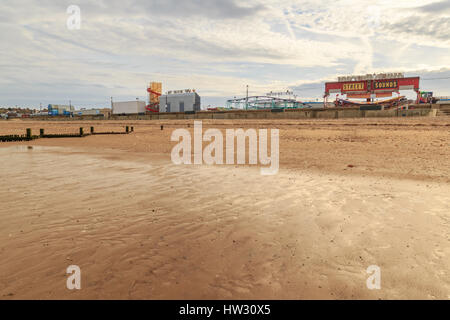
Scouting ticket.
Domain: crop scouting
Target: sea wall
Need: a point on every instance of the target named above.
(331, 113)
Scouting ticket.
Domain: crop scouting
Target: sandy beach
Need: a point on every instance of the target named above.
(350, 193)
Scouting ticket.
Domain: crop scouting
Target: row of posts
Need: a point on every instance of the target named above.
(41, 131)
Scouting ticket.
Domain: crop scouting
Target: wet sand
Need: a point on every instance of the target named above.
(140, 227)
(405, 148)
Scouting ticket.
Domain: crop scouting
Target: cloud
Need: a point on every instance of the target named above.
(215, 9)
(215, 46)
(436, 7)
(432, 31)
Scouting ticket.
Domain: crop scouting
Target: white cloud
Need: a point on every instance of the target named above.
(216, 46)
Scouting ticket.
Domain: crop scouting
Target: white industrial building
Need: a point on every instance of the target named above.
(128, 107)
(86, 112)
(179, 101)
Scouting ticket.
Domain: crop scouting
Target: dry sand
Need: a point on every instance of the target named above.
(140, 227)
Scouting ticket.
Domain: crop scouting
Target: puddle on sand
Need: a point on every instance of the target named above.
(32, 161)
(20, 148)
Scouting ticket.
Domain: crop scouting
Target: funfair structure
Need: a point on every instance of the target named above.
(272, 100)
(154, 92)
(370, 87)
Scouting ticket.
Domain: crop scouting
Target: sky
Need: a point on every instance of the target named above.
(217, 47)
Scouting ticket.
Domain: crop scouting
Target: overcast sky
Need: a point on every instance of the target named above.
(214, 46)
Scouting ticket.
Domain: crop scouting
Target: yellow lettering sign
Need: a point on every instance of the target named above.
(386, 84)
(353, 86)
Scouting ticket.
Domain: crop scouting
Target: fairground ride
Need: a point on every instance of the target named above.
(386, 104)
(155, 91)
(369, 87)
(265, 102)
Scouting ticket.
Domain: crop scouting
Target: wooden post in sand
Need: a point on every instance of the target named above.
(132, 129)
(81, 131)
(162, 127)
(127, 129)
(28, 133)
(92, 130)
(41, 132)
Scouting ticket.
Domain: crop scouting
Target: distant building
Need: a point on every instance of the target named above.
(12, 114)
(86, 112)
(60, 110)
(106, 112)
(128, 107)
(43, 113)
(443, 100)
(179, 101)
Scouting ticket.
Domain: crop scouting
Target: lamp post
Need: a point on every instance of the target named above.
(246, 100)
